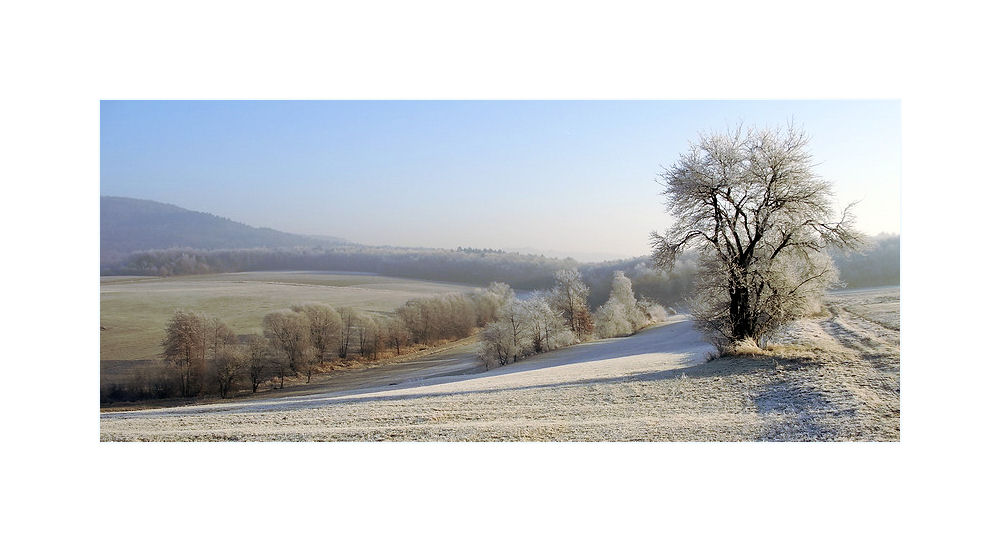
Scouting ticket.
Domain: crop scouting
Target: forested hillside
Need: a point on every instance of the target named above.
(129, 225)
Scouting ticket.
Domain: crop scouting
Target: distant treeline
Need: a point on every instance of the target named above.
(878, 266)
(478, 268)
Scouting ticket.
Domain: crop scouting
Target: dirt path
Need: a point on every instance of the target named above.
(851, 391)
(456, 359)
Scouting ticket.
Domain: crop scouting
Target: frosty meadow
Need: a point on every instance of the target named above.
(762, 311)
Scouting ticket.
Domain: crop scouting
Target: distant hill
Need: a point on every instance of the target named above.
(129, 225)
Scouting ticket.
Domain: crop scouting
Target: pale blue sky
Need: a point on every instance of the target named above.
(566, 178)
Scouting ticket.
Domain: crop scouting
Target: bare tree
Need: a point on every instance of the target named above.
(288, 333)
(396, 333)
(279, 370)
(185, 347)
(373, 331)
(308, 361)
(420, 319)
(257, 360)
(324, 327)
(229, 362)
(218, 337)
(348, 318)
(749, 203)
(365, 327)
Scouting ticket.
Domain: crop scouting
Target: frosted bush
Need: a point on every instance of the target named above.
(622, 315)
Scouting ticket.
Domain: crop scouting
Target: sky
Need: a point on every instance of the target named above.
(564, 178)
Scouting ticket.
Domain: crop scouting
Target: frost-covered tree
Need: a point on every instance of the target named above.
(621, 315)
(750, 203)
(489, 301)
(547, 329)
(508, 338)
(654, 312)
(523, 327)
(569, 298)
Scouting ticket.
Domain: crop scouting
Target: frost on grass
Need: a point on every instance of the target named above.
(830, 378)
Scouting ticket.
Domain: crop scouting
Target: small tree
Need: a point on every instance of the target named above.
(621, 315)
(509, 337)
(569, 298)
(396, 333)
(185, 347)
(288, 333)
(229, 363)
(348, 319)
(257, 360)
(278, 369)
(547, 329)
(365, 329)
(749, 202)
(374, 333)
(488, 302)
(324, 327)
(309, 361)
(218, 338)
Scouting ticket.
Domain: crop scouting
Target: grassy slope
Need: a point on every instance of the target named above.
(134, 310)
(838, 380)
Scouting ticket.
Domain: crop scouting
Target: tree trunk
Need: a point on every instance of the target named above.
(739, 313)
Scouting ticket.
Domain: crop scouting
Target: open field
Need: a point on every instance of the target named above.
(836, 377)
(134, 310)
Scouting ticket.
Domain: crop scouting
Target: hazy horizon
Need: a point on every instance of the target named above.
(559, 178)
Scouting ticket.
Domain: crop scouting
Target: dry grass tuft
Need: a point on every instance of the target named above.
(743, 348)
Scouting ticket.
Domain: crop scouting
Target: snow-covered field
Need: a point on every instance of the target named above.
(842, 385)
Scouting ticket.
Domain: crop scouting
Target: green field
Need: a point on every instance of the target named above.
(134, 310)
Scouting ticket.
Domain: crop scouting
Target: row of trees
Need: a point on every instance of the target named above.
(479, 267)
(204, 355)
(558, 317)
